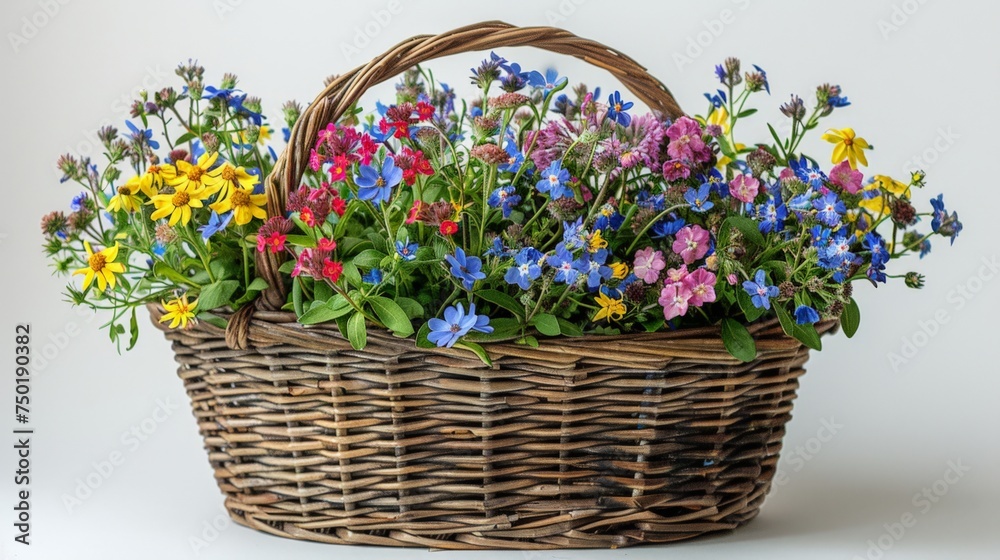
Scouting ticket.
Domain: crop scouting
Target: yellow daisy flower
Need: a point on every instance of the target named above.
(185, 176)
(151, 180)
(619, 270)
(125, 199)
(245, 206)
(890, 185)
(177, 205)
(232, 178)
(847, 146)
(179, 312)
(596, 242)
(875, 206)
(101, 265)
(611, 309)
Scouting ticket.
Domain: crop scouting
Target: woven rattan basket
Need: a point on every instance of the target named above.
(580, 443)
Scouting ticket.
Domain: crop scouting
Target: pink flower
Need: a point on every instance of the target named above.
(744, 187)
(701, 284)
(732, 279)
(786, 175)
(677, 275)
(691, 243)
(326, 244)
(685, 139)
(674, 299)
(648, 264)
(846, 178)
(675, 170)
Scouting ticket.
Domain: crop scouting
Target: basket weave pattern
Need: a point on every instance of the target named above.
(590, 442)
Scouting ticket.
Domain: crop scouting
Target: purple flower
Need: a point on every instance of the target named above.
(760, 292)
(456, 324)
(466, 269)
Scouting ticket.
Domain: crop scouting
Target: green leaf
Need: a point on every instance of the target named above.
(806, 334)
(163, 270)
(654, 324)
(133, 328)
(477, 350)
(569, 329)
(546, 324)
(391, 315)
(184, 138)
(503, 300)
(213, 319)
(322, 291)
(528, 341)
(746, 113)
(727, 150)
(258, 285)
(504, 328)
(287, 267)
(422, 340)
(329, 310)
(301, 241)
(747, 226)
(297, 296)
(850, 319)
(356, 332)
(352, 274)
(217, 295)
(738, 341)
(411, 307)
(774, 135)
(751, 312)
(369, 258)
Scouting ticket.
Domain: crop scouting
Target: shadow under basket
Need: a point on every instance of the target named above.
(591, 442)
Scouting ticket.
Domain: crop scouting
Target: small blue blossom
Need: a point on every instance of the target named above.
(515, 79)
(216, 223)
(547, 82)
(942, 223)
(608, 218)
(718, 99)
(829, 209)
(554, 180)
(374, 276)
(497, 249)
(562, 262)
(514, 157)
(456, 324)
(760, 293)
(807, 173)
(78, 202)
(504, 199)
(653, 202)
(407, 250)
(805, 315)
(143, 135)
(716, 183)
(720, 73)
(467, 269)
(698, 198)
(667, 226)
(767, 85)
(525, 269)
(772, 214)
(592, 265)
(574, 236)
(616, 109)
(876, 244)
(876, 273)
(376, 185)
(925, 247)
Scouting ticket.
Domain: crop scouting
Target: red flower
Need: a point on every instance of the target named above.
(414, 212)
(338, 171)
(448, 227)
(326, 244)
(425, 110)
(332, 270)
(307, 216)
(274, 242)
(338, 205)
(368, 149)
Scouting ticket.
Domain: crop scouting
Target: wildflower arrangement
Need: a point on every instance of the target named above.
(524, 211)
(169, 215)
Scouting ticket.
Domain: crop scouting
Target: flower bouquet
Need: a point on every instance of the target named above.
(385, 248)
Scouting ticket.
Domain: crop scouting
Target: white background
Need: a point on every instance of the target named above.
(923, 78)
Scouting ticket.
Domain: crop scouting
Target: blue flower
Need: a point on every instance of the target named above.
(574, 236)
(562, 263)
(466, 269)
(159, 249)
(802, 202)
(592, 265)
(525, 269)
(838, 257)
(554, 181)
(767, 86)
(760, 292)
(829, 209)
(718, 99)
(497, 249)
(504, 199)
(407, 250)
(805, 315)
(515, 157)
(286, 133)
(720, 73)
(698, 198)
(876, 244)
(548, 82)
(616, 109)
(608, 218)
(376, 185)
(562, 104)
(942, 223)
(456, 324)
(772, 214)
(236, 103)
(374, 276)
(820, 237)
(78, 202)
(143, 135)
(667, 226)
(216, 223)
(716, 182)
(653, 202)
(925, 247)
(515, 78)
(876, 273)
(807, 173)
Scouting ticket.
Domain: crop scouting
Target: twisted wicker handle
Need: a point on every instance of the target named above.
(346, 89)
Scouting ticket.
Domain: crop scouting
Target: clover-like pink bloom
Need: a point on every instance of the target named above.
(846, 178)
(744, 187)
(691, 243)
(648, 264)
(685, 139)
(701, 284)
(674, 299)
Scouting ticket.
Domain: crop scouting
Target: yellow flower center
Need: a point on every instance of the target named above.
(848, 142)
(194, 174)
(229, 173)
(154, 169)
(618, 107)
(181, 199)
(97, 262)
(239, 198)
(380, 182)
(124, 191)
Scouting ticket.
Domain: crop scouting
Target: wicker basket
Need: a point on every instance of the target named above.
(592, 442)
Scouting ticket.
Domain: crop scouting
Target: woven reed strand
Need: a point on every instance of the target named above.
(588, 442)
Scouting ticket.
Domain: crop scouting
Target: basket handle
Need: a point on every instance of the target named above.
(345, 90)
